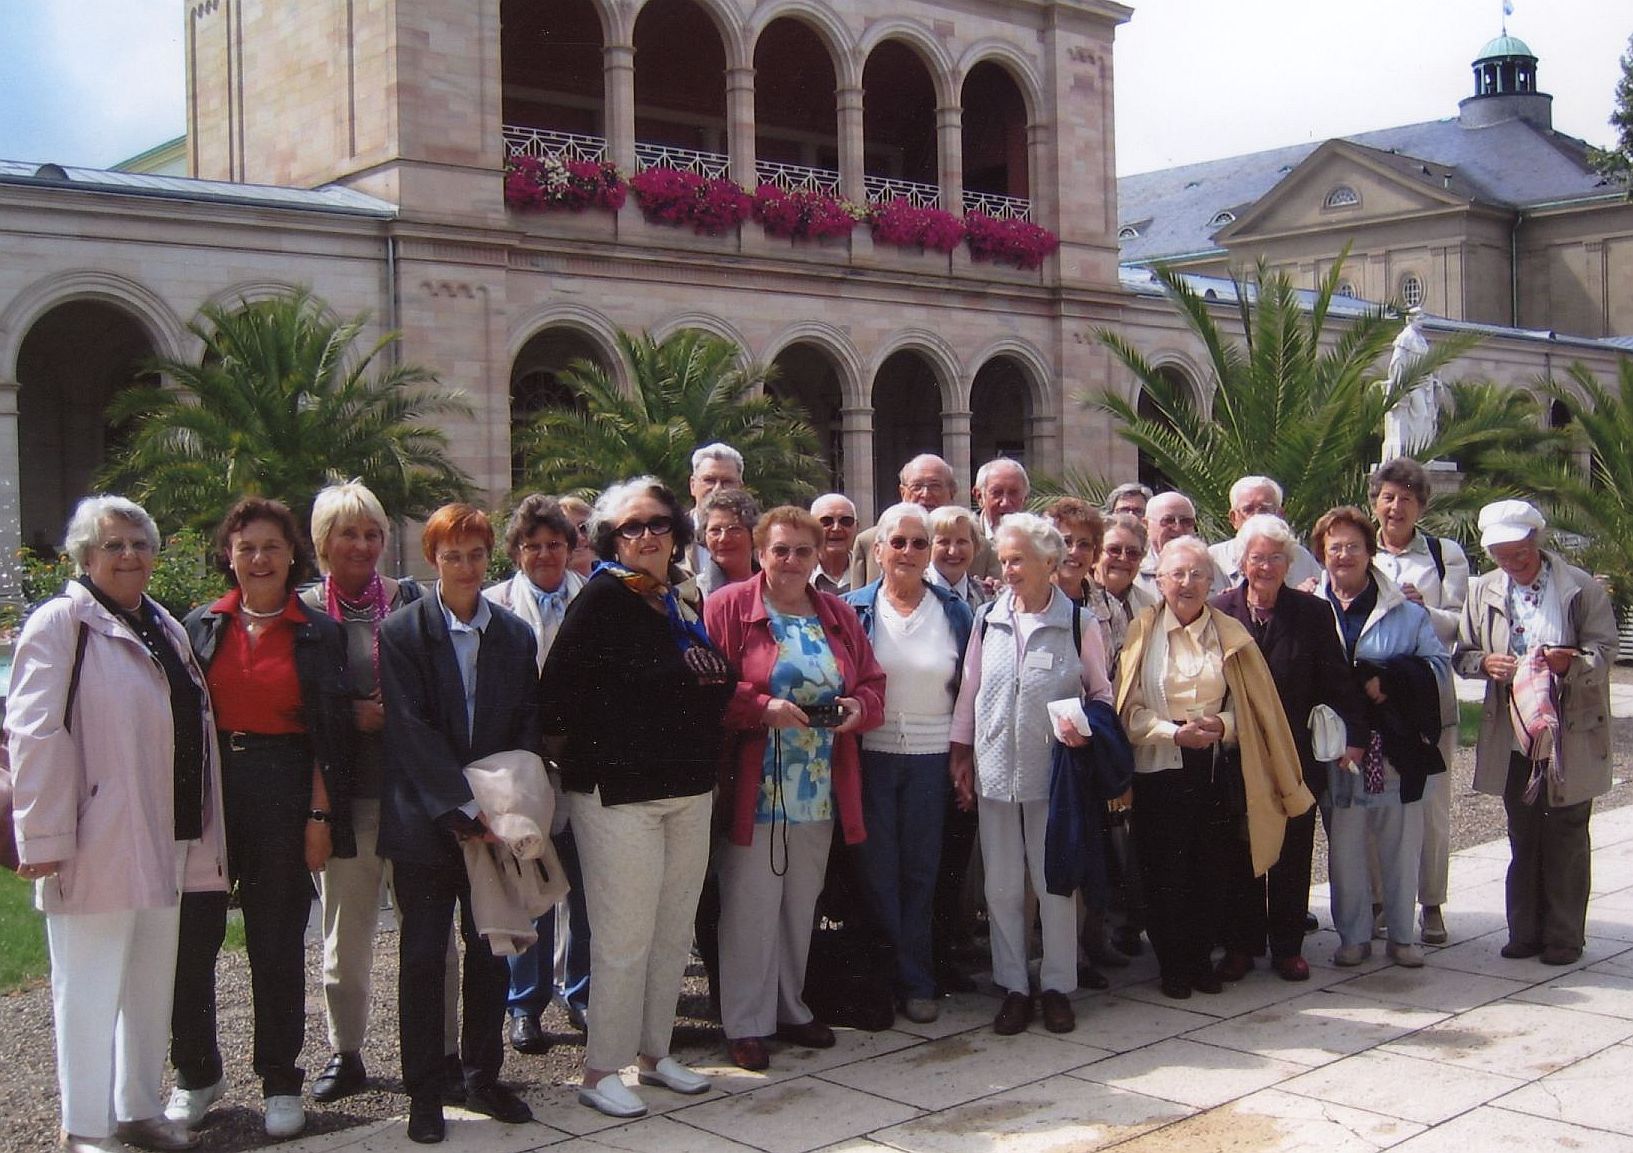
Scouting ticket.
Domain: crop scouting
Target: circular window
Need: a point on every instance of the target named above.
(1411, 290)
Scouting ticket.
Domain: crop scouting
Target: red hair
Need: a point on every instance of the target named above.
(453, 522)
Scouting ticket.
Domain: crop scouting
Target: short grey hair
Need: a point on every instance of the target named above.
(1194, 545)
(1129, 523)
(928, 458)
(1245, 484)
(719, 450)
(951, 516)
(833, 496)
(1123, 490)
(342, 502)
(736, 501)
(1270, 527)
(1041, 536)
(891, 519)
(1172, 496)
(85, 525)
(1002, 462)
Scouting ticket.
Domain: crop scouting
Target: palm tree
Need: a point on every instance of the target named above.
(280, 404)
(1290, 400)
(687, 391)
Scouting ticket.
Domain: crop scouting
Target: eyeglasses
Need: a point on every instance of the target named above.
(1260, 508)
(784, 551)
(841, 521)
(903, 543)
(583, 530)
(1264, 560)
(475, 558)
(1170, 521)
(925, 487)
(716, 531)
(1187, 576)
(1337, 550)
(1124, 551)
(636, 529)
(114, 548)
(554, 547)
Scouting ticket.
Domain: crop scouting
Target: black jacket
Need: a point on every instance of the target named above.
(326, 710)
(428, 739)
(1408, 723)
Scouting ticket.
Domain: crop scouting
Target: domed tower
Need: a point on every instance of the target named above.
(1505, 87)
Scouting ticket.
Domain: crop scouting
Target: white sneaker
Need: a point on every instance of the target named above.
(188, 1106)
(675, 1077)
(611, 1096)
(285, 1116)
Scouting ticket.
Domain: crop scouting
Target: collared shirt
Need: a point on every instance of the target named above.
(1535, 615)
(552, 607)
(822, 582)
(467, 641)
(1193, 678)
(964, 590)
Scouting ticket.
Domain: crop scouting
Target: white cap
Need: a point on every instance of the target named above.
(1507, 521)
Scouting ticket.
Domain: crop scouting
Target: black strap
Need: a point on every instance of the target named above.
(73, 678)
(1436, 554)
(1077, 627)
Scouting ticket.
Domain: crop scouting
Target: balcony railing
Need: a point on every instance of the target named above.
(883, 188)
(997, 206)
(795, 178)
(708, 164)
(542, 142)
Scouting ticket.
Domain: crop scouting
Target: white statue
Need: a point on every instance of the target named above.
(1410, 423)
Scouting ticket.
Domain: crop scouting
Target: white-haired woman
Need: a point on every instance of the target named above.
(1212, 754)
(1021, 656)
(117, 795)
(633, 696)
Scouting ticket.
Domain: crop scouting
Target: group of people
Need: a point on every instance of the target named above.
(736, 699)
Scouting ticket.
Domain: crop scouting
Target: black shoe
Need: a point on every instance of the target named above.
(341, 1077)
(1109, 957)
(1310, 923)
(576, 1017)
(497, 1102)
(525, 1035)
(1088, 977)
(453, 1080)
(1174, 987)
(1128, 941)
(425, 1123)
(1207, 981)
(813, 1034)
(1519, 950)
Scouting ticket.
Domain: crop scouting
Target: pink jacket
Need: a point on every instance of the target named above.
(737, 623)
(99, 799)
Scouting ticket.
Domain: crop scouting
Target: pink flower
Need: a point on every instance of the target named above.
(802, 215)
(552, 182)
(906, 225)
(1017, 242)
(675, 197)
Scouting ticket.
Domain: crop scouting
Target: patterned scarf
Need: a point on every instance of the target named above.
(684, 627)
(335, 603)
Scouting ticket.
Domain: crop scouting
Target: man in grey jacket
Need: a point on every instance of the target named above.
(1532, 604)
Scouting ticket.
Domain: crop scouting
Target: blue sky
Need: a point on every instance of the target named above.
(95, 81)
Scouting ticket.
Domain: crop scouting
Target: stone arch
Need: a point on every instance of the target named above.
(1036, 371)
(166, 331)
(853, 380)
(1021, 68)
(536, 365)
(943, 361)
(924, 42)
(728, 22)
(824, 22)
(586, 322)
(817, 371)
(705, 322)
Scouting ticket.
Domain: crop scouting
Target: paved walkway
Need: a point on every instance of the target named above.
(1469, 1054)
(1621, 692)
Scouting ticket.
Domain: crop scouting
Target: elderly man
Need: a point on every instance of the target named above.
(837, 515)
(928, 482)
(1168, 516)
(714, 466)
(1001, 487)
(1130, 498)
(1250, 496)
(1540, 630)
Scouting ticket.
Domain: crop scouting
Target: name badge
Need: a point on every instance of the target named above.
(1037, 660)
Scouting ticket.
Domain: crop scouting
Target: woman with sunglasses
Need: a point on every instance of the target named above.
(1122, 547)
(918, 631)
(633, 696)
(806, 684)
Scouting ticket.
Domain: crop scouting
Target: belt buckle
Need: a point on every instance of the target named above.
(234, 742)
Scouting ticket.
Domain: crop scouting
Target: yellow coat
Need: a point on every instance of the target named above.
(1270, 766)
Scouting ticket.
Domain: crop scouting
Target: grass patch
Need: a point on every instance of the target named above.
(234, 942)
(22, 935)
(1468, 722)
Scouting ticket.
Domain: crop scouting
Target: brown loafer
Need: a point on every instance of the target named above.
(1057, 1012)
(749, 1053)
(1014, 1015)
(813, 1034)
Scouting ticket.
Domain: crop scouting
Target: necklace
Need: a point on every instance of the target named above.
(253, 615)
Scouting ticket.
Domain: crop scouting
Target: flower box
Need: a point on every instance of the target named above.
(534, 184)
(804, 215)
(711, 206)
(905, 225)
(1000, 241)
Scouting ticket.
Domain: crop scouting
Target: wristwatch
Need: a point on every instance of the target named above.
(321, 816)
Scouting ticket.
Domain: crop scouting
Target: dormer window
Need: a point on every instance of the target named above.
(1411, 290)
(1222, 219)
(1346, 290)
(1128, 233)
(1342, 197)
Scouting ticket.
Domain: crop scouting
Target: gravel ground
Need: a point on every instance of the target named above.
(28, 1094)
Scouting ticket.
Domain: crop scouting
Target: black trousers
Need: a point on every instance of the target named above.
(426, 896)
(1273, 906)
(1551, 868)
(1185, 841)
(267, 794)
(947, 920)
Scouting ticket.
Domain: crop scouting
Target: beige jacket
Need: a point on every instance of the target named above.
(520, 879)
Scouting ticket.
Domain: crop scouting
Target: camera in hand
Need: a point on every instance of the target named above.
(824, 716)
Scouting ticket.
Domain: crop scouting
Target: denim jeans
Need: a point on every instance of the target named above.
(904, 799)
(532, 972)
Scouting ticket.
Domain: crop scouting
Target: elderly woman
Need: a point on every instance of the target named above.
(1294, 631)
(807, 684)
(1402, 667)
(540, 542)
(1031, 646)
(460, 680)
(727, 517)
(919, 632)
(117, 796)
(1433, 572)
(634, 693)
(954, 538)
(1212, 752)
(350, 531)
(1535, 609)
(1123, 543)
(276, 669)
(578, 512)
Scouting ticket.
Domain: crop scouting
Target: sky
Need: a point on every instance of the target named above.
(92, 82)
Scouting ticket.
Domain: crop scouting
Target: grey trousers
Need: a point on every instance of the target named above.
(1551, 870)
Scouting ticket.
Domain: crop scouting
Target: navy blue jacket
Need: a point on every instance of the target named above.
(1081, 781)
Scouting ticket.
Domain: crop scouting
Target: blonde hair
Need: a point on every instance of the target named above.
(351, 500)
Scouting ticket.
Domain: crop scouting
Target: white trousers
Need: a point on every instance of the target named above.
(1011, 849)
(765, 927)
(112, 979)
(643, 869)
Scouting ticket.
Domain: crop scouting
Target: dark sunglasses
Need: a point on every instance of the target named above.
(903, 543)
(841, 521)
(636, 529)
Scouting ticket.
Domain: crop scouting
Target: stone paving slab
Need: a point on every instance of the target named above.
(1469, 1054)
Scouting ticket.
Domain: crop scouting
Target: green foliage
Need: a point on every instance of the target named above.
(22, 935)
(184, 576)
(1294, 398)
(1616, 161)
(687, 391)
(280, 404)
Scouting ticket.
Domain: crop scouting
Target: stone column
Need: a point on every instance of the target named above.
(1037, 158)
(11, 492)
(955, 450)
(1043, 445)
(852, 166)
(740, 119)
(618, 75)
(950, 151)
(856, 433)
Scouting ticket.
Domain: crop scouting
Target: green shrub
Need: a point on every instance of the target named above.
(184, 576)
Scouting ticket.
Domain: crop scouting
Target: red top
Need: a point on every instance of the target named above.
(253, 686)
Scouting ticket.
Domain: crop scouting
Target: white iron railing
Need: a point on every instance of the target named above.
(798, 178)
(997, 206)
(709, 164)
(541, 142)
(881, 189)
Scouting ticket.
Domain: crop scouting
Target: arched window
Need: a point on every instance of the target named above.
(1346, 290)
(1411, 290)
(1221, 219)
(1128, 233)
(1342, 197)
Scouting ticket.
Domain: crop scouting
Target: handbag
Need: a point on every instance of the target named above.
(1328, 734)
